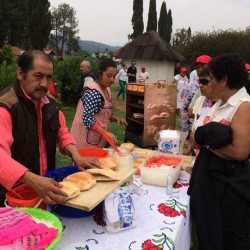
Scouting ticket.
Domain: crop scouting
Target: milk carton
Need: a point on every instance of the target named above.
(168, 141)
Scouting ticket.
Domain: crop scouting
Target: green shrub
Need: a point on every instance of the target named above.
(7, 56)
(7, 74)
(67, 74)
(7, 67)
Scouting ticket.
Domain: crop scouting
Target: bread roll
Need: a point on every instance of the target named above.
(105, 172)
(143, 152)
(108, 163)
(138, 115)
(83, 180)
(130, 146)
(164, 115)
(70, 188)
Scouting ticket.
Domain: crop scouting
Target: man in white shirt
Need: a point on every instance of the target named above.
(122, 77)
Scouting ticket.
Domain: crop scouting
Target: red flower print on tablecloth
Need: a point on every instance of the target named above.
(180, 183)
(148, 245)
(183, 212)
(172, 208)
(167, 211)
(177, 185)
(158, 243)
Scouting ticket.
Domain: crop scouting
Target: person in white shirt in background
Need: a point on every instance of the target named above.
(181, 82)
(123, 78)
(189, 91)
(143, 74)
(193, 81)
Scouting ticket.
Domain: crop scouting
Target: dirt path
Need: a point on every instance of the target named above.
(119, 104)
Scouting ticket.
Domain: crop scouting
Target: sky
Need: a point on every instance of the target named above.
(109, 21)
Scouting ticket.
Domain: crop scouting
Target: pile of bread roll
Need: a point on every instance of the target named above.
(137, 151)
(82, 181)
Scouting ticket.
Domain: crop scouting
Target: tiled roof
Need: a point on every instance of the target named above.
(149, 45)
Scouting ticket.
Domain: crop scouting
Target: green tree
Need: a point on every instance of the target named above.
(4, 21)
(137, 19)
(169, 25)
(13, 23)
(39, 18)
(217, 42)
(152, 16)
(181, 38)
(64, 27)
(162, 23)
(72, 44)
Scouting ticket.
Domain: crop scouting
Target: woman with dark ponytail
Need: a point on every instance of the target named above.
(97, 109)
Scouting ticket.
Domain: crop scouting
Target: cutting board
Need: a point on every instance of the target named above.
(88, 200)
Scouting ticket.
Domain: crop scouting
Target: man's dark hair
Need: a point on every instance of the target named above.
(232, 66)
(25, 61)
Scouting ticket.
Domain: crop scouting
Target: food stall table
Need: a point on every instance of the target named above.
(161, 220)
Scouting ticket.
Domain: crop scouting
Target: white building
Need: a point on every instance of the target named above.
(156, 55)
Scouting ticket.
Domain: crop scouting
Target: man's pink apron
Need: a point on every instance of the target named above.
(86, 137)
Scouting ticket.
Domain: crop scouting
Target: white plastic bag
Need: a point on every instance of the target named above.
(119, 211)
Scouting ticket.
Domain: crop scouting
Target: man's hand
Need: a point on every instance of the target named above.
(47, 188)
(86, 162)
(81, 162)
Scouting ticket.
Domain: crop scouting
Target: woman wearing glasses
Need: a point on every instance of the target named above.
(202, 105)
(97, 108)
(220, 182)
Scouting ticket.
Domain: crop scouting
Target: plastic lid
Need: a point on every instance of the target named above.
(169, 133)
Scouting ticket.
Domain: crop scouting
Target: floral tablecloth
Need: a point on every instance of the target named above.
(162, 222)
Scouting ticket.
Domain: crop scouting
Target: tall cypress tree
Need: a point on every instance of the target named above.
(137, 19)
(162, 23)
(15, 21)
(189, 34)
(152, 16)
(169, 25)
(39, 23)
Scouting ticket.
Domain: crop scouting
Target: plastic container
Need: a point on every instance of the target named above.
(29, 198)
(124, 159)
(58, 175)
(158, 176)
(93, 152)
(168, 141)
